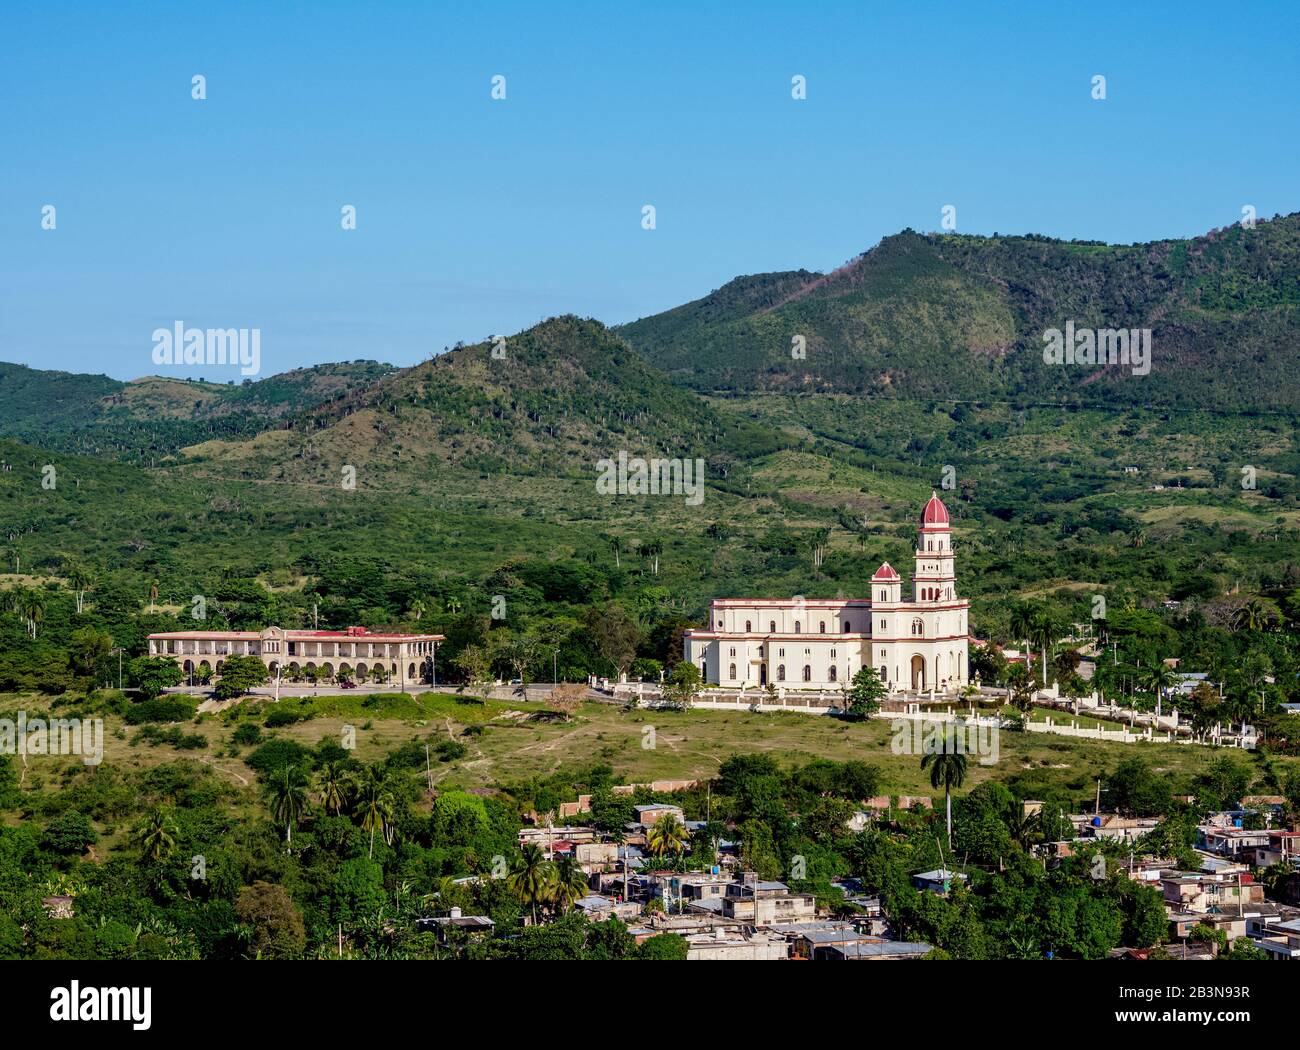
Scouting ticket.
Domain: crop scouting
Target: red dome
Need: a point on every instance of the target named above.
(885, 572)
(935, 512)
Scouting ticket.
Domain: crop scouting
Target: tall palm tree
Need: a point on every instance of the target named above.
(1043, 632)
(616, 545)
(667, 835)
(531, 877)
(79, 581)
(335, 787)
(1022, 622)
(287, 797)
(34, 610)
(156, 834)
(417, 608)
(569, 885)
(374, 805)
(947, 770)
(1158, 678)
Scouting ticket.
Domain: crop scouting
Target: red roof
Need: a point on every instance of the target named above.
(885, 572)
(935, 512)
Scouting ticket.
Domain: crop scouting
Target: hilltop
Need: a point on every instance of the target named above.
(962, 318)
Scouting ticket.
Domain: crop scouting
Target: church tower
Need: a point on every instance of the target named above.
(934, 581)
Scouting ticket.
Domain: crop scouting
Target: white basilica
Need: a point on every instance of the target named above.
(806, 643)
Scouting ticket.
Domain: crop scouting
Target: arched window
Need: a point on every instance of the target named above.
(780, 673)
(733, 672)
(918, 626)
(823, 627)
(833, 673)
(771, 627)
(848, 627)
(798, 627)
(807, 673)
(748, 627)
(882, 672)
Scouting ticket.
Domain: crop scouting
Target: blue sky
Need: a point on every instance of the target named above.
(478, 216)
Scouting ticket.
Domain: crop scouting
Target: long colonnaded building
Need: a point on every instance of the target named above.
(356, 651)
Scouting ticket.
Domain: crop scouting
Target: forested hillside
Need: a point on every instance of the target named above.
(962, 317)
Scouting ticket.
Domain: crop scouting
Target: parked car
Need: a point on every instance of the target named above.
(347, 684)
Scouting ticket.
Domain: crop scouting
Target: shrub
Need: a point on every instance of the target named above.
(247, 734)
(161, 709)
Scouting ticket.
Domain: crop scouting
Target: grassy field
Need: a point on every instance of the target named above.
(516, 740)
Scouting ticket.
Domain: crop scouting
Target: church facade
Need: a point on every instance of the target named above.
(798, 643)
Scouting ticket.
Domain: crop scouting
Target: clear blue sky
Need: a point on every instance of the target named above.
(478, 216)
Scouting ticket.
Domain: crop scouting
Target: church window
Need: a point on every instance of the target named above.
(833, 673)
(733, 672)
(771, 627)
(823, 626)
(807, 673)
(780, 673)
(798, 627)
(748, 627)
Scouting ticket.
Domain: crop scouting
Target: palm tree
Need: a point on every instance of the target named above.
(287, 797)
(1022, 622)
(667, 835)
(1253, 616)
(531, 877)
(616, 545)
(1043, 632)
(417, 608)
(79, 581)
(947, 769)
(453, 605)
(375, 805)
(33, 609)
(156, 834)
(1023, 827)
(1158, 678)
(569, 885)
(335, 787)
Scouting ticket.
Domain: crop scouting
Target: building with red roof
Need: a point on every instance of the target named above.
(918, 644)
(358, 652)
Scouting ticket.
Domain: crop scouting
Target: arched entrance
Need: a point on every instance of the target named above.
(918, 673)
(762, 674)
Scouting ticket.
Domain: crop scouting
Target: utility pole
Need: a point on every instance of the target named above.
(119, 666)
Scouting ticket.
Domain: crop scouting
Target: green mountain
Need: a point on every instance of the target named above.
(152, 417)
(551, 400)
(963, 318)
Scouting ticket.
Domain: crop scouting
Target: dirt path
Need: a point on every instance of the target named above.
(243, 780)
